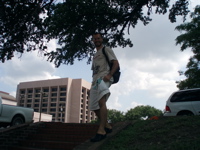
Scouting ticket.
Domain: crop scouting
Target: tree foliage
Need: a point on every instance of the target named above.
(115, 115)
(142, 111)
(133, 114)
(25, 24)
(191, 39)
(21, 26)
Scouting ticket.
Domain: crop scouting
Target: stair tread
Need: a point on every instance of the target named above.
(56, 136)
(50, 144)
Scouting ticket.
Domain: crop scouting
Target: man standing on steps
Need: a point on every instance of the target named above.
(102, 80)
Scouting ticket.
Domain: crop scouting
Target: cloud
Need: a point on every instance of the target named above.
(134, 104)
(31, 66)
(149, 69)
(114, 103)
(151, 65)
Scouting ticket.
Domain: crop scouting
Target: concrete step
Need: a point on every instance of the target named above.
(60, 137)
(53, 145)
(57, 136)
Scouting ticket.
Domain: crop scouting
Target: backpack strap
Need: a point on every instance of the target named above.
(103, 50)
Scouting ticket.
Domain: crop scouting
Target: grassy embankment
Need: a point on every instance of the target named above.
(166, 133)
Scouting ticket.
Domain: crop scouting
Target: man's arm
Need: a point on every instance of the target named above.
(112, 71)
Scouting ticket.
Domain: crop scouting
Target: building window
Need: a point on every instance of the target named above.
(59, 115)
(88, 92)
(62, 99)
(45, 100)
(54, 89)
(37, 90)
(29, 101)
(53, 109)
(53, 104)
(53, 94)
(45, 90)
(44, 110)
(53, 114)
(45, 95)
(30, 91)
(63, 89)
(63, 109)
(37, 95)
(36, 105)
(28, 105)
(37, 100)
(83, 90)
(29, 96)
(62, 94)
(44, 105)
(22, 92)
(53, 99)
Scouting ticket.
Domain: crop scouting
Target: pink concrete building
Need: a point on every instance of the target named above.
(65, 99)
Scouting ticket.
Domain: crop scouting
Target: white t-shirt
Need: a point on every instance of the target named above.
(100, 66)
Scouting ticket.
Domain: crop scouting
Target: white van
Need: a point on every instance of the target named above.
(183, 102)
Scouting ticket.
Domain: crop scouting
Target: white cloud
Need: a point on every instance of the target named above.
(134, 104)
(114, 103)
(151, 65)
(149, 69)
(31, 66)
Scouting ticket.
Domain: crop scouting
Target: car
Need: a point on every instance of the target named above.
(14, 115)
(183, 103)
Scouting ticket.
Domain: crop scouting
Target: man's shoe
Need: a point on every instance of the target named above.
(98, 137)
(108, 130)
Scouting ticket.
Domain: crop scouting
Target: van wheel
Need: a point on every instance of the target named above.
(185, 113)
(17, 121)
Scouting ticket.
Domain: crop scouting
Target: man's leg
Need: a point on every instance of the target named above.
(102, 115)
(97, 112)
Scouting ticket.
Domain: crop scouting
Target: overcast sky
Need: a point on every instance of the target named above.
(149, 69)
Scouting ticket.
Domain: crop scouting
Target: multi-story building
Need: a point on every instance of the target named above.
(10, 100)
(7, 98)
(65, 99)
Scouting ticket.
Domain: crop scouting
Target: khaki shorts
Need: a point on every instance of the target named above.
(97, 91)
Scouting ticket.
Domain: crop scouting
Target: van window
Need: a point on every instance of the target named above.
(192, 95)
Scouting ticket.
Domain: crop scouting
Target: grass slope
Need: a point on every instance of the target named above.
(166, 133)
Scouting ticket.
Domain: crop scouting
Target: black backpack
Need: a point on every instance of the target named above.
(117, 73)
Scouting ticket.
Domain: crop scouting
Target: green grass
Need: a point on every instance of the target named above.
(167, 133)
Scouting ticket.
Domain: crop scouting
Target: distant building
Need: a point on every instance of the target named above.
(10, 100)
(7, 98)
(65, 99)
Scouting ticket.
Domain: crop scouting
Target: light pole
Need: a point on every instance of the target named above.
(61, 110)
(40, 106)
